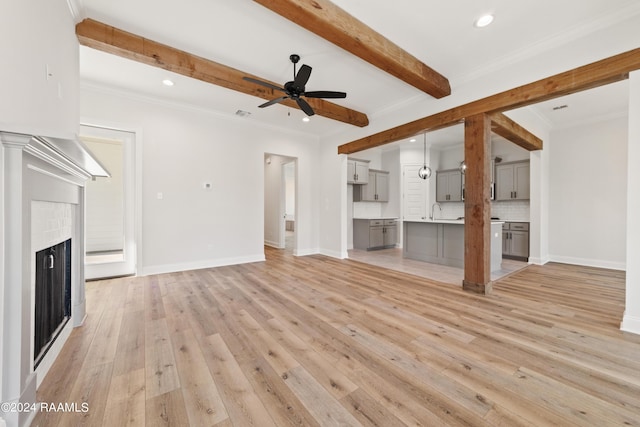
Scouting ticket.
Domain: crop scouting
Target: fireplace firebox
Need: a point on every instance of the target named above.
(52, 296)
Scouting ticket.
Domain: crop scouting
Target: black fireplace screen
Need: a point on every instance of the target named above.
(53, 296)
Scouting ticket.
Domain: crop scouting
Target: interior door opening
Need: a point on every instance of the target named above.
(289, 189)
(110, 238)
(280, 219)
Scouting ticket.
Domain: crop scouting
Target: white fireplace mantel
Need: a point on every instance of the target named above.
(33, 170)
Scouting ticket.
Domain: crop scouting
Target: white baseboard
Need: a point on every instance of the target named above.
(305, 252)
(539, 261)
(334, 254)
(630, 324)
(273, 244)
(588, 262)
(198, 265)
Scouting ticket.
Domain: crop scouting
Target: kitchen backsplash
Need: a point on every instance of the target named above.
(510, 211)
(367, 210)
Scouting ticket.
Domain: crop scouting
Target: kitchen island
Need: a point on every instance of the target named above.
(441, 241)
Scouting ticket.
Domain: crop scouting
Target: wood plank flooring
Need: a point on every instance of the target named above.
(394, 260)
(316, 341)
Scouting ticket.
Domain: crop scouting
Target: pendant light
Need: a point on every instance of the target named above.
(425, 171)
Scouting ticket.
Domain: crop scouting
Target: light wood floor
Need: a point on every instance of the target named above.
(315, 341)
(394, 260)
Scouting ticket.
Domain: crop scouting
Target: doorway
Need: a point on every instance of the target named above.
(110, 215)
(289, 200)
(280, 190)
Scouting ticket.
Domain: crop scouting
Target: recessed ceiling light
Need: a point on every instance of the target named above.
(412, 140)
(306, 119)
(484, 20)
(167, 82)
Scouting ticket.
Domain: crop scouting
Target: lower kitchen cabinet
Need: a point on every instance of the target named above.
(515, 240)
(372, 234)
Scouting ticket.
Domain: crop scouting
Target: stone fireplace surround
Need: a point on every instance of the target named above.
(43, 203)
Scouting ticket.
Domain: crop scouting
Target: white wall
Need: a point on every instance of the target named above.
(631, 322)
(2, 268)
(191, 227)
(36, 36)
(588, 194)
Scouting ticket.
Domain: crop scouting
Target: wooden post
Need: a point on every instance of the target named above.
(477, 207)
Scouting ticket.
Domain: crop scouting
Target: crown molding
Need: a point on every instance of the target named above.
(76, 7)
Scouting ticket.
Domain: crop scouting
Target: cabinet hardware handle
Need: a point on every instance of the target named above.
(515, 194)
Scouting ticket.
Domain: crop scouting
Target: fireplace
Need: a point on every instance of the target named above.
(52, 308)
(42, 219)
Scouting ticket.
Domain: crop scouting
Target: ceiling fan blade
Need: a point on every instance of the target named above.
(325, 94)
(304, 106)
(260, 82)
(302, 77)
(273, 101)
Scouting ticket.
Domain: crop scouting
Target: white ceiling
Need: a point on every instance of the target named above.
(246, 36)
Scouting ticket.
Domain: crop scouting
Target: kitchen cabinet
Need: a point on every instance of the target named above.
(515, 240)
(449, 185)
(376, 190)
(492, 185)
(373, 234)
(442, 242)
(357, 171)
(512, 181)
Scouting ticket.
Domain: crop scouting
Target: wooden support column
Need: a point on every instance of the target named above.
(477, 205)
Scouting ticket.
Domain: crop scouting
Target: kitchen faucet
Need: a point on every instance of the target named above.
(433, 207)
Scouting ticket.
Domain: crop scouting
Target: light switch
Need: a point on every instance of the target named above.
(160, 196)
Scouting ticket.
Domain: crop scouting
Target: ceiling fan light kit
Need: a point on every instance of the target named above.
(296, 89)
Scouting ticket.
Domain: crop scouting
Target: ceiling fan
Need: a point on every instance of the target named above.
(296, 89)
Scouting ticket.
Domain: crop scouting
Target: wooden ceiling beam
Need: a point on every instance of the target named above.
(589, 76)
(109, 39)
(512, 131)
(330, 22)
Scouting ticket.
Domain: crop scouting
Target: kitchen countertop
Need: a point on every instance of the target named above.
(449, 221)
(378, 217)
